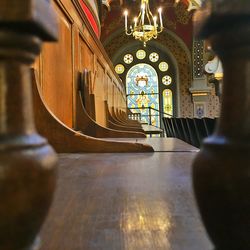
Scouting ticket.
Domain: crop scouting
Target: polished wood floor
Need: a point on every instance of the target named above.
(162, 144)
(125, 202)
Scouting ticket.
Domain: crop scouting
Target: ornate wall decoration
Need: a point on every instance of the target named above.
(213, 106)
(198, 59)
(182, 14)
(183, 63)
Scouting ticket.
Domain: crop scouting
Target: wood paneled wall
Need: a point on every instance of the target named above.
(77, 49)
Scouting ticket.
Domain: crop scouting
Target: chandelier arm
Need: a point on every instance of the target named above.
(146, 26)
(129, 33)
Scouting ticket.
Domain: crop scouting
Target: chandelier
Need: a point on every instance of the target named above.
(145, 26)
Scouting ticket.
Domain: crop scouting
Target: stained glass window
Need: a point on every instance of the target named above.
(143, 92)
(154, 57)
(167, 102)
(141, 54)
(119, 69)
(128, 58)
(167, 80)
(163, 66)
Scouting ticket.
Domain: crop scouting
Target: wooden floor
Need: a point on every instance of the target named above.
(125, 201)
(162, 144)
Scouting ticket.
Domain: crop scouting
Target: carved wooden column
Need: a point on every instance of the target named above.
(221, 172)
(27, 162)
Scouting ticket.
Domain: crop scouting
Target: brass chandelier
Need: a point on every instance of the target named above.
(145, 26)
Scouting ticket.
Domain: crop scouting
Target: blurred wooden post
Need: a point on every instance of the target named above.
(27, 162)
(221, 172)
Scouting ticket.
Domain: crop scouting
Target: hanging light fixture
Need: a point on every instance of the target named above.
(145, 26)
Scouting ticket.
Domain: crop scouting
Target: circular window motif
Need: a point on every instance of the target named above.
(154, 57)
(128, 58)
(163, 66)
(141, 54)
(167, 80)
(119, 69)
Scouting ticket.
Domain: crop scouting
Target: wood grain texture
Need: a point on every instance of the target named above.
(59, 64)
(57, 72)
(163, 144)
(115, 124)
(65, 139)
(88, 126)
(27, 162)
(221, 171)
(124, 202)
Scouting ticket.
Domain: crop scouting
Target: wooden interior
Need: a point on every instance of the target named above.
(71, 101)
(103, 95)
(77, 49)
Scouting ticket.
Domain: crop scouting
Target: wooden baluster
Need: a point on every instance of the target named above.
(221, 171)
(27, 162)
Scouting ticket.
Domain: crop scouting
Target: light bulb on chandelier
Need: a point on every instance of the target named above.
(145, 26)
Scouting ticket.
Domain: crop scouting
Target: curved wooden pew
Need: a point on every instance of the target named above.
(124, 116)
(114, 118)
(114, 124)
(119, 116)
(66, 140)
(89, 126)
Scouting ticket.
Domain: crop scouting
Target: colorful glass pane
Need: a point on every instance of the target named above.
(163, 66)
(141, 54)
(154, 57)
(128, 58)
(119, 69)
(167, 102)
(167, 80)
(143, 91)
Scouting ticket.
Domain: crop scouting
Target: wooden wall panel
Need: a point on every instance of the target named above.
(57, 72)
(86, 56)
(99, 95)
(110, 90)
(59, 64)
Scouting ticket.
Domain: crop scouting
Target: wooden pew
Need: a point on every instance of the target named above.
(122, 121)
(190, 130)
(209, 124)
(124, 117)
(27, 162)
(169, 126)
(88, 126)
(193, 133)
(221, 170)
(187, 135)
(66, 140)
(166, 127)
(200, 129)
(114, 124)
(179, 128)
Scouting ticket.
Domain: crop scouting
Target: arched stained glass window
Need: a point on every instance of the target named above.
(167, 102)
(143, 92)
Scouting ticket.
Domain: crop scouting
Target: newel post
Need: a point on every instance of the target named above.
(221, 171)
(27, 162)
